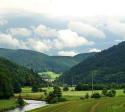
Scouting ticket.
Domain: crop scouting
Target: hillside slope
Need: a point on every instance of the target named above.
(17, 73)
(41, 62)
(106, 66)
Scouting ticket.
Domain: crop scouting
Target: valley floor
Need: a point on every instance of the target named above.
(116, 104)
(8, 104)
(74, 103)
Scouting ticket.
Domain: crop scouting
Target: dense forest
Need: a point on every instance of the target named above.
(13, 76)
(106, 66)
(41, 62)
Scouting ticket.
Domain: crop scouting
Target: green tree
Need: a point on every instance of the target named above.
(66, 88)
(6, 90)
(57, 91)
(17, 87)
(35, 88)
(87, 95)
(96, 95)
(104, 92)
(20, 101)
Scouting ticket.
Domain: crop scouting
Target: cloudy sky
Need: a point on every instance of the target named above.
(61, 27)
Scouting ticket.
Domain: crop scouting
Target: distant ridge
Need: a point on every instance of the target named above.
(41, 62)
(107, 66)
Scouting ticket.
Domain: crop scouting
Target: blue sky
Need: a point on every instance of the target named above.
(64, 27)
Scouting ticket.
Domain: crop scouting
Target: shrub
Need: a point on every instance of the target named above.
(35, 88)
(123, 90)
(111, 93)
(96, 95)
(55, 96)
(82, 98)
(104, 92)
(20, 101)
(57, 91)
(66, 88)
(86, 95)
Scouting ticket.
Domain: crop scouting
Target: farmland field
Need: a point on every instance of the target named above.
(74, 104)
(116, 104)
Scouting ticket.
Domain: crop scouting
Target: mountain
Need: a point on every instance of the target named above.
(41, 62)
(106, 66)
(16, 72)
(13, 76)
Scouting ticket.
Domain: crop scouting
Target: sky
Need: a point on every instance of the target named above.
(61, 27)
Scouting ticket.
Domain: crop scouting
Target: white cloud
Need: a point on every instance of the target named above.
(79, 8)
(116, 27)
(37, 45)
(86, 29)
(67, 53)
(70, 39)
(7, 40)
(60, 39)
(20, 31)
(3, 21)
(45, 31)
(94, 50)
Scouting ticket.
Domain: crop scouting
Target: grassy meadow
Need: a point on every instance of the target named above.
(73, 103)
(7, 104)
(116, 104)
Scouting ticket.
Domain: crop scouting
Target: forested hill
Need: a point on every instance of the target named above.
(41, 62)
(13, 76)
(106, 66)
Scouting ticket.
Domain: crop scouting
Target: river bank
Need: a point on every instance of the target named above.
(31, 104)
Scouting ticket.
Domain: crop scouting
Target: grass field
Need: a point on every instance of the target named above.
(49, 74)
(74, 104)
(7, 104)
(116, 104)
(69, 95)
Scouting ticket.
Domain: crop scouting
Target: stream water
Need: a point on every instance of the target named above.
(31, 104)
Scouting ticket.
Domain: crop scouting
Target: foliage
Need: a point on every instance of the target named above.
(87, 95)
(96, 95)
(17, 87)
(55, 96)
(13, 76)
(35, 88)
(20, 101)
(104, 92)
(6, 90)
(111, 93)
(65, 88)
(108, 64)
(57, 91)
(123, 90)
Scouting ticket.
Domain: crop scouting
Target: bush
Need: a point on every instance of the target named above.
(96, 95)
(20, 101)
(82, 98)
(104, 92)
(55, 96)
(123, 90)
(57, 91)
(35, 88)
(86, 95)
(111, 93)
(66, 88)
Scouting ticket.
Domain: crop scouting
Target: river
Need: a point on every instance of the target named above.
(31, 104)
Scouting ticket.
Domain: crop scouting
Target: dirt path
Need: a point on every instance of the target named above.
(93, 108)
